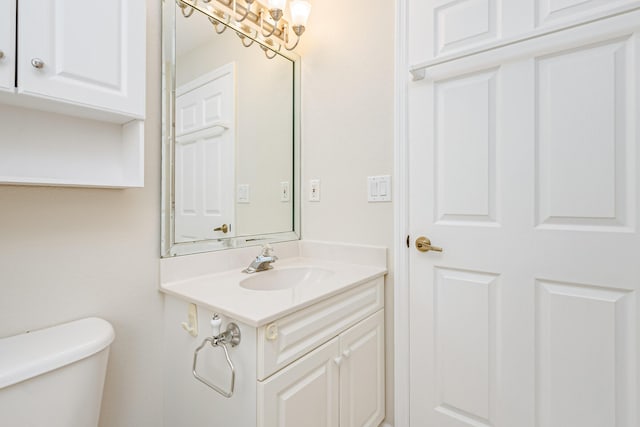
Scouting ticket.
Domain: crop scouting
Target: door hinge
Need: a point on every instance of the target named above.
(408, 239)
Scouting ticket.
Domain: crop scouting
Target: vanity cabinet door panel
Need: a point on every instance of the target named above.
(88, 53)
(362, 374)
(7, 44)
(306, 393)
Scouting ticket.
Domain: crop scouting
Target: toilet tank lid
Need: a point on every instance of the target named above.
(30, 354)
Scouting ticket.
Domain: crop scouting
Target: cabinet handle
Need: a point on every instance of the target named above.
(37, 63)
(338, 360)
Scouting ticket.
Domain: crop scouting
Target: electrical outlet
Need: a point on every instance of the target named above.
(314, 190)
(284, 191)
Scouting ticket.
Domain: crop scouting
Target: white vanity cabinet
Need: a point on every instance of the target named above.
(321, 366)
(72, 92)
(7, 44)
(339, 384)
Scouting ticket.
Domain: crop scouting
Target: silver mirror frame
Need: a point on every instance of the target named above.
(168, 246)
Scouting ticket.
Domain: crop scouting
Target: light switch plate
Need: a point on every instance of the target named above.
(314, 190)
(242, 196)
(379, 188)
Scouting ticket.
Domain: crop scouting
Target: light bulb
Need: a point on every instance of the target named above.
(300, 12)
(276, 4)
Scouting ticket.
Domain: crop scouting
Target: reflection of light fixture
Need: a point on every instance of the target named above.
(266, 24)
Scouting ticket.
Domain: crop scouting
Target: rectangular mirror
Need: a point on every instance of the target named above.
(231, 142)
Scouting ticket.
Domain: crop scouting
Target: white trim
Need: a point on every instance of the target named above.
(385, 425)
(202, 80)
(401, 222)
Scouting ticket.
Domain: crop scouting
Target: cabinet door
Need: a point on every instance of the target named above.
(362, 385)
(89, 53)
(7, 43)
(306, 393)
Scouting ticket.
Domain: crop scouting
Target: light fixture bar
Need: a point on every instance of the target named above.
(227, 7)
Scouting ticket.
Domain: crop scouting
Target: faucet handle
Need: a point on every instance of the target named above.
(267, 250)
(216, 322)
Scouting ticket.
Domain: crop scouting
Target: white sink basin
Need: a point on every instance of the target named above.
(285, 278)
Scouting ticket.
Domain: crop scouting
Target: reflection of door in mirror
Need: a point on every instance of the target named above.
(204, 156)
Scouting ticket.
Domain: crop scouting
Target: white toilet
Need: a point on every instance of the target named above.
(54, 377)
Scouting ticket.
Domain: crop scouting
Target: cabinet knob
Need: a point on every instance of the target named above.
(1, 54)
(37, 63)
(271, 332)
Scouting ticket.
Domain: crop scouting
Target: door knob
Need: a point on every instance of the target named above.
(224, 228)
(424, 245)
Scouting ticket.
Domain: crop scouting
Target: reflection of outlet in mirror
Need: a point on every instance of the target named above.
(379, 188)
(314, 190)
(243, 193)
(284, 191)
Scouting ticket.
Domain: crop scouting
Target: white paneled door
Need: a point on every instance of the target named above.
(205, 157)
(524, 169)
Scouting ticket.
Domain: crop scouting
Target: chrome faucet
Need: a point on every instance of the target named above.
(263, 261)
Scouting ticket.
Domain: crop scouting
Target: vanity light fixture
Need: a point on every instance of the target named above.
(264, 23)
(300, 10)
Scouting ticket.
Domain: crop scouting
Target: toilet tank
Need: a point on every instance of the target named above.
(54, 377)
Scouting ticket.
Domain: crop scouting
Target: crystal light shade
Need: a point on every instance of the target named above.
(300, 10)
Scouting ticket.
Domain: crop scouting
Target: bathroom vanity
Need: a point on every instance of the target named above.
(311, 349)
(311, 330)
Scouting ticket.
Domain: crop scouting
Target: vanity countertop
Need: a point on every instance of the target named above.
(222, 293)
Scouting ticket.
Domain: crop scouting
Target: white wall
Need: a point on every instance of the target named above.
(66, 253)
(347, 107)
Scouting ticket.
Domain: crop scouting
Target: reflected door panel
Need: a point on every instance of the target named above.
(204, 158)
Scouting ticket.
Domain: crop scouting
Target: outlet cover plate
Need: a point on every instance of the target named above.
(314, 190)
(284, 191)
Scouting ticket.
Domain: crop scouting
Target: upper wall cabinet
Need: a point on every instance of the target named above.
(85, 53)
(75, 57)
(72, 92)
(7, 43)
(443, 29)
